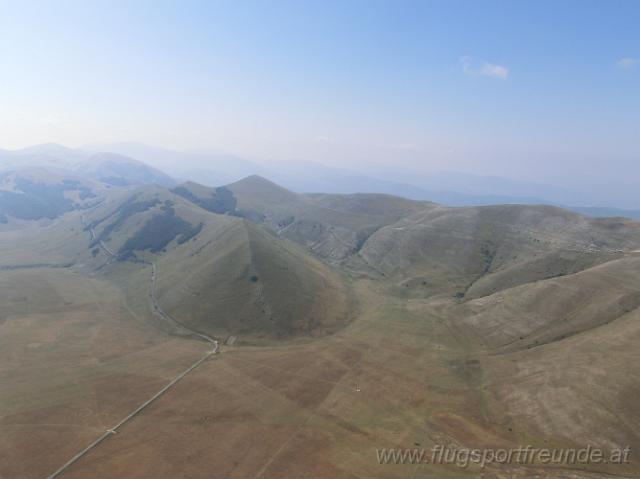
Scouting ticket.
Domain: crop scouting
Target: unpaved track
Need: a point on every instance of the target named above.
(157, 310)
(131, 415)
(101, 243)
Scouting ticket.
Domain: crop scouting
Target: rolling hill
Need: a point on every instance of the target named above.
(118, 170)
(239, 279)
(331, 227)
(219, 273)
(557, 308)
(104, 167)
(346, 323)
(473, 252)
(35, 193)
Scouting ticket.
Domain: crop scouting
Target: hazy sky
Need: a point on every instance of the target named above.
(515, 88)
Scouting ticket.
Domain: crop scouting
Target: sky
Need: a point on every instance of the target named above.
(542, 90)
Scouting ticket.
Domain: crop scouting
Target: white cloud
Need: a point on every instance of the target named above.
(486, 69)
(495, 71)
(627, 63)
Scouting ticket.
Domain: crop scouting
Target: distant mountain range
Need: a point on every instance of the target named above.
(109, 168)
(131, 164)
(448, 188)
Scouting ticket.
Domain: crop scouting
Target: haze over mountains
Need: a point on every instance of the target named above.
(218, 168)
(344, 322)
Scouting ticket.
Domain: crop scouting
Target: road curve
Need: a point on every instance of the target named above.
(101, 243)
(157, 310)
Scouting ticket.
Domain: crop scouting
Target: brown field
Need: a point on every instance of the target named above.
(398, 376)
(73, 362)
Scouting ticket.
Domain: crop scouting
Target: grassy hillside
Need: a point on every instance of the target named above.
(474, 252)
(149, 219)
(219, 273)
(216, 200)
(236, 278)
(537, 313)
(42, 188)
(35, 194)
(332, 227)
(580, 390)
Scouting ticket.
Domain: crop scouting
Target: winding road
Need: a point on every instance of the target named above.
(101, 243)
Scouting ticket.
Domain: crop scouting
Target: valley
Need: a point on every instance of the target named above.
(341, 324)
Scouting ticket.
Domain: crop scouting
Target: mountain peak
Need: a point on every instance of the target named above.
(257, 180)
(256, 188)
(48, 149)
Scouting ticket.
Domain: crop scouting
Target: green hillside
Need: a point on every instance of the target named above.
(220, 274)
